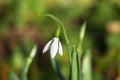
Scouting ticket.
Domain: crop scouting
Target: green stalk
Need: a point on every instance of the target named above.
(64, 32)
(27, 63)
(57, 69)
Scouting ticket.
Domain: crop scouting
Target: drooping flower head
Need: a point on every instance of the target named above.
(54, 45)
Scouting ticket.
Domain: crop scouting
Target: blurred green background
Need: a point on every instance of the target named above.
(22, 24)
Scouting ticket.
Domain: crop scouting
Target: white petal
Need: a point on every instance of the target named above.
(47, 46)
(60, 50)
(54, 48)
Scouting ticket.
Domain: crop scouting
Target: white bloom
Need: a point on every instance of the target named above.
(55, 47)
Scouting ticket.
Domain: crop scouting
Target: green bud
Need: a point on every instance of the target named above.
(57, 33)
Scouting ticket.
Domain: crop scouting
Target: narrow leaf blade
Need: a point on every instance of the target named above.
(12, 76)
(87, 67)
(74, 66)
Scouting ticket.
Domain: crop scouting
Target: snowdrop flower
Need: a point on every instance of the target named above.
(54, 45)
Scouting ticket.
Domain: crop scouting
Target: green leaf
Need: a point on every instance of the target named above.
(12, 76)
(28, 62)
(81, 36)
(74, 65)
(86, 66)
(80, 50)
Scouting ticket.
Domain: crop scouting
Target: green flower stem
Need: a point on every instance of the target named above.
(27, 63)
(57, 69)
(65, 34)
